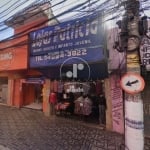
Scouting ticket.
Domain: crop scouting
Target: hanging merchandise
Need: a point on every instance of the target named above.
(79, 105)
(85, 87)
(53, 98)
(51, 86)
(60, 86)
(87, 106)
(77, 99)
(55, 86)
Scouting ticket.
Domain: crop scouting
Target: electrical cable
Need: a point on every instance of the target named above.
(13, 8)
(2, 6)
(56, 10)
(2, 22)
(93, 10)
(2, 29)
(32, 15)
(20, 43)
(42, 37)
(40, 24)
(21, 5)
(26, 30)
(25, 42)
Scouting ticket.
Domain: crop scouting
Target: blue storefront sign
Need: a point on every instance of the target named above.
(83, 38)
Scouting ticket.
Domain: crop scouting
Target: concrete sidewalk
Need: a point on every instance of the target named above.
(26, 129)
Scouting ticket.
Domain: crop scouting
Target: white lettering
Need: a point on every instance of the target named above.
(69, 32)
(6, 56)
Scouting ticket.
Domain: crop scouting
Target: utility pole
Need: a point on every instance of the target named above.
(134, 125)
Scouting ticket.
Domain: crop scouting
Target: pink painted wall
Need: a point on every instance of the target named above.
(117, 104)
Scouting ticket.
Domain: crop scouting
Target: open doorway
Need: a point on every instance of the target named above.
(32, 95)
(3, 90)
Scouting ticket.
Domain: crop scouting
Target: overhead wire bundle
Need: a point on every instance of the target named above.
(82, 9)
(23, 33)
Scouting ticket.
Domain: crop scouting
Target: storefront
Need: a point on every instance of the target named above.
(15, 76)
(10, 79)
(15, 88)
(72, 57)
(77, 99)
(32, 93)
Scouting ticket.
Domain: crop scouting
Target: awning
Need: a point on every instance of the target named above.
(34, 81)
(92, 71)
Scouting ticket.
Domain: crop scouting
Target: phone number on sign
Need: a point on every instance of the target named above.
(62, 54)
(66, 53)
(76, 52)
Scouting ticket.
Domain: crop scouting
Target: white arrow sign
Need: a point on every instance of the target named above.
(132, 83)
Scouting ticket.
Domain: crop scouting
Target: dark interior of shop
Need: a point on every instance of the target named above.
(79, 100)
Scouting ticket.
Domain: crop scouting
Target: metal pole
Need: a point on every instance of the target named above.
(134, 126)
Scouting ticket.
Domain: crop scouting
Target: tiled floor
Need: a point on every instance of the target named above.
(27, 129)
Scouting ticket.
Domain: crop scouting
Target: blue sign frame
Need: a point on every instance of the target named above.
(82, 37)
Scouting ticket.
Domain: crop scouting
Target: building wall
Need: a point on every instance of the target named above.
(46, 92)
(109, 125)
(31, 24)
(14, 58)
(16, 94)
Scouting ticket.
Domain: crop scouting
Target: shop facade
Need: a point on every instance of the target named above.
(10, 79)
(72, 57)
(14, 74)
(17, 87)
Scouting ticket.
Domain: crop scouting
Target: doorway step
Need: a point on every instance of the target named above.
(36, 106)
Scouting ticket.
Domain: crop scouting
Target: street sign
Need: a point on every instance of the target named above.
(132, 83)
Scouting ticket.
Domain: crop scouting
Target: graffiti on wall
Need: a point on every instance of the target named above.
(117, 104)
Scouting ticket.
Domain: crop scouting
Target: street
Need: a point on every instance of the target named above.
(26, 129)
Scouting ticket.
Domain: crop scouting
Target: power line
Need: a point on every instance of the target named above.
(21, 34)
(4, 28)
(12, 8)
(5, 4)
(18, 35)
(18, 6)
(27, 42)
(31, 15)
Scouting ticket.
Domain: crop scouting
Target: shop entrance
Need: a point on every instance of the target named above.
(80, 100)
(32, 95)
(3, 90)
